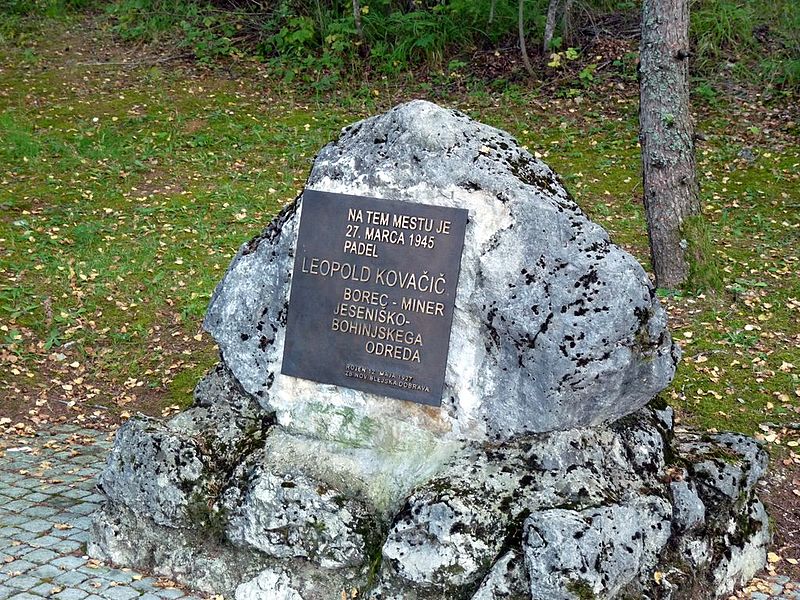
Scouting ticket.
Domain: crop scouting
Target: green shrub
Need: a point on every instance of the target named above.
(20, 16)
(317, 41)
(762, 40)
(720, 27)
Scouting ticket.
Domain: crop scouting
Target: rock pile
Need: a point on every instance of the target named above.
(549, 472)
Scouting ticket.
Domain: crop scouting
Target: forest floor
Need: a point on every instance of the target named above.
(129, 176)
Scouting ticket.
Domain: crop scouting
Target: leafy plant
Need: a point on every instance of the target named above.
(558, 59)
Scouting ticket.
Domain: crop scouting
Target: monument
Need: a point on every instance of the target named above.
(438, 380)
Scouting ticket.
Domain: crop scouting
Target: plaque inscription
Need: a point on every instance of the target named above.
(373, 290)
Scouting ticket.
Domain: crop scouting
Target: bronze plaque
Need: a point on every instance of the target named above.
(373, 289)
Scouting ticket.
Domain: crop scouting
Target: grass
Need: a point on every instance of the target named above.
(125, 192)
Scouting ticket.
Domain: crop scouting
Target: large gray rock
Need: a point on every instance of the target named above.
(554, 327)
(595, 553)
(171, 472)
(452, 526)
(155, 472)
(572, 514)
(289, 515)
(541, 476)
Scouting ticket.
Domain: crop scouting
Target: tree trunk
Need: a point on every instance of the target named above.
(665, 132)
(550, 25)
(522, 47)
(566, 34)
(362, 47)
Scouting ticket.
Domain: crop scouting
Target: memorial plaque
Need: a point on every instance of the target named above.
(373, 290)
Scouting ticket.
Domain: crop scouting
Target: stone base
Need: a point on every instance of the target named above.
(223, 500)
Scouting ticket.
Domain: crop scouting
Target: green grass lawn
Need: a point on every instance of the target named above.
(126, 190)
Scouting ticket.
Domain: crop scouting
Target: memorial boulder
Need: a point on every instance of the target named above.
(554, 326)
(438, 380)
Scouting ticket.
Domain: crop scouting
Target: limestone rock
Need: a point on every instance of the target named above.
(171, 471)
(507, 580)
(228, 423)
(543, 474)
(458, 522)
(154, 472)
(565, 514)
(726, 464)
(289, 515)
(688, 510)
(189, 556)
(268, 584)
(595, 553)
(554, 327)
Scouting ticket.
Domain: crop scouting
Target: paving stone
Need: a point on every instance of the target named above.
(25, 596)
(44, 541)
(39, 512)
(17, 566)
(80, 535)
(88, 472)
(17, 505)
(76, 493)
(62, 533)
(120, 576)
(26, 536)
(40, 556)
(71, 578)
(5, 592)
(71, 594)
(69, 562)
(12, 519)
(66, 546)
(15, 492)
(95, 570)
(22, 582)
(36, 525)
(121, 592)
(45, 572)
(18, 550)
(28, 483)
(144, 584)
(36, 497)
(95, 585)
(44, 589)
(149, 596)
(170, 593)
(85, 508)
(8, 533)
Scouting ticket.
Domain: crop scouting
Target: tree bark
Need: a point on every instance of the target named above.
(522, 47)
(359, 29)
(550, 25)
(566, 24)
(665, 133)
